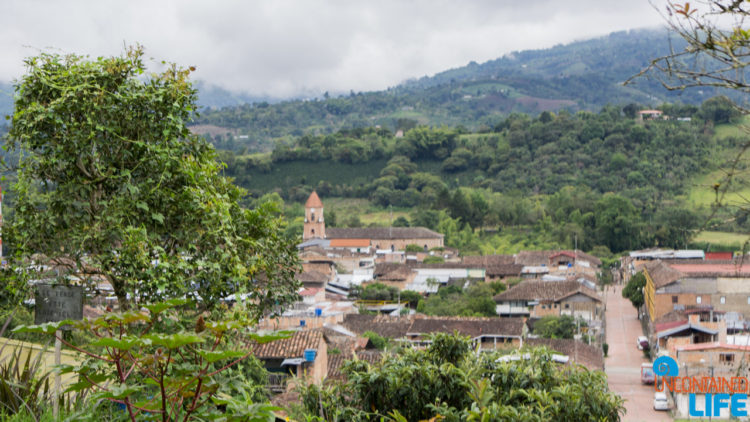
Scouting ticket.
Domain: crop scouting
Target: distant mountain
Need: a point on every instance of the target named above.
(211, 96)
(6, 100)
(584, 75)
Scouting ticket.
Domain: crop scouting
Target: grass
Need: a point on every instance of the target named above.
(722, 238)
(381, 218)
(703, 193)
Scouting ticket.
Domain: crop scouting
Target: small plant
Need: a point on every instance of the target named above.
(146, 365)
(23, 387)
(605, 349)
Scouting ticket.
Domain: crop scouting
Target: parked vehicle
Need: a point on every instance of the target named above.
(642, 343)
(660, 401)
(647, 373)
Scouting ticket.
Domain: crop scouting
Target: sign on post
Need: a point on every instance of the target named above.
(56, 303)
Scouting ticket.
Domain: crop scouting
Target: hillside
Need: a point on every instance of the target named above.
(584, 75)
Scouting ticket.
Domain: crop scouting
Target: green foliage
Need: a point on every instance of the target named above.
(633, 291)
(378, 291)
(413, 248)
(112, 183)
(377, 340)
(23, 386)
(564, 326)
(433, 260)
(550, 178)
(446, 381)
(149, 363)
(605, 349)
(476, 300)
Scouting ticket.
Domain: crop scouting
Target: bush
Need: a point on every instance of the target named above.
(377, 340)
(605, 349)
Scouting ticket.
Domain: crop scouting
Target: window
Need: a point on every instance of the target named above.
(674, 299)
(726, 357)
(567, 306)
(544, 306)
(313, 231)
(723, 300)
(312, 216)
(698, 300)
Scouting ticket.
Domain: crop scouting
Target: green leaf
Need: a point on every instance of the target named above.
(168, 304)
(212, 357)
(267, 338)
(172, 341)
(126, 343)
(158, 217)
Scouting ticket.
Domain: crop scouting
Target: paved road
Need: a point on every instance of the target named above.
(623, 366)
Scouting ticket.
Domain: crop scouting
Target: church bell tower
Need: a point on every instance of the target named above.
(315, 226)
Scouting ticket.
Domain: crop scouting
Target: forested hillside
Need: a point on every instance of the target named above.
(583, 75)
(599, 179)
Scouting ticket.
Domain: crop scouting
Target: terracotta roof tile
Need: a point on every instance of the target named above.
(350, 243)
(489, 260)
(335, 362)
(661, 273)
(312, 277)
(383, 325)
(381, 233)
(292, 347)
(314, 201)
(581, 353)
(468, 326)
(545, 290)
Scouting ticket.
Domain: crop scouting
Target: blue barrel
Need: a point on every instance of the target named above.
(310, 355)
(302, 323)
(318, 312)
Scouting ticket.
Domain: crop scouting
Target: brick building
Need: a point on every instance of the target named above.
(377, 238)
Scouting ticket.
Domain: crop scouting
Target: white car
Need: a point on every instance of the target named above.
(641, 342)
(660, 401)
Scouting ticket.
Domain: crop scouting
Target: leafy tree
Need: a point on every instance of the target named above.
(551, 326)
(112, 185)
(149, 364)
(446, 381)
(633, 291)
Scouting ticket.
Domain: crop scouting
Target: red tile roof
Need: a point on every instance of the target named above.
(661, 273)
(734, 269)
(545, 290)
(350, 243)
(716, 345)
(313, 201)
(292, 347)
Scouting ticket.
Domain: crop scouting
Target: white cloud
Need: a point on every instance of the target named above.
(285, 48)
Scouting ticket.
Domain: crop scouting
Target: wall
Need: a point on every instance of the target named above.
(69, 357)
(663, 302)
(292, 322)
(400, 244)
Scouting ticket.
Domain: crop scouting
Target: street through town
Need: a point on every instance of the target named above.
(623, 366)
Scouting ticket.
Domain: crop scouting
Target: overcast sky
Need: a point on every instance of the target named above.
(287, 48)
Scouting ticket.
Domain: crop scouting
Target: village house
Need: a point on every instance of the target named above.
(537, 299)
(305, 353)
(719, 286)
(488, 333)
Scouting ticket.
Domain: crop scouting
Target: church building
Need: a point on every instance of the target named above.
(378, 238)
